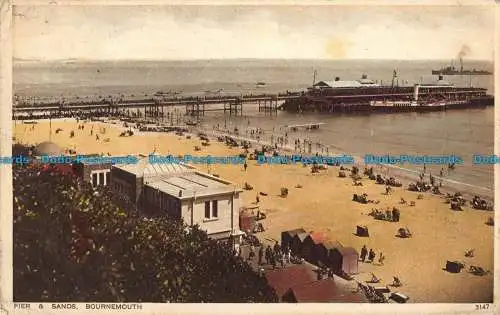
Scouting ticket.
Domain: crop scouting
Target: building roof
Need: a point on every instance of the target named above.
(47, 148)
(148, 170)
(292, 233)
(331, 244)
(347, 83)
(191, 185)
(284, 278)
(317, 237)
(348, 251)
(322, 291)
(302, 236)
(368, 82)
(339, 84)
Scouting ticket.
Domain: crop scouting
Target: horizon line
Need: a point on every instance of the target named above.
(16, 59)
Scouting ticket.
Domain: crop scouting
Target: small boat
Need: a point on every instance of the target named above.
(191, 123)
(260, 84)
(213, 91)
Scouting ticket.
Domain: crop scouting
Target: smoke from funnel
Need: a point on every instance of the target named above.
(464, 51)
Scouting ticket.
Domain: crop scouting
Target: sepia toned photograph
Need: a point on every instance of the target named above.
(252, 154)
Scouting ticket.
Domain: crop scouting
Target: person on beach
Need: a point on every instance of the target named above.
(289, 255)
(257, 199)
(396, 282)
(374, 279)
(381, 259)
(283, 261)
(273, 260)
(364, 252)
(277, 248)
(251, 255)
(261, 253)
(395, 215)
(268, 254)
(245, 166)
(371, 255)
(425, 168)
(388, 190)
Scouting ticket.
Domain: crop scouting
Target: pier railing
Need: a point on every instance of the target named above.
(195, 105)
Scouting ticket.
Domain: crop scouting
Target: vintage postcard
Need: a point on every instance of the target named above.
(273, 154)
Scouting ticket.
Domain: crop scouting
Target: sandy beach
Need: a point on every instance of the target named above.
(324, 204)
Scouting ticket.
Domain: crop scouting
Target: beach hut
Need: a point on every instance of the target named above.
(322, 251)
(296, 244)
(287, 237)
(309, 244)
(344, 260)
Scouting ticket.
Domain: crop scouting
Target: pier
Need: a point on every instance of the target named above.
(268, 106)
(155, 107)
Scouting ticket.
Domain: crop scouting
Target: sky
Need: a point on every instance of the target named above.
(261, 32)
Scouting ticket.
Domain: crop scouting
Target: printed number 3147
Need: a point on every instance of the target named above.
(482, 307)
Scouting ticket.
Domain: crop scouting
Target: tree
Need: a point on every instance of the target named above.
(73, 243)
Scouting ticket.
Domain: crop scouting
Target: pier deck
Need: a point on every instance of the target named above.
(155, 107)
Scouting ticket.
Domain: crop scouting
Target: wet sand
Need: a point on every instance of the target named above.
(324, 204)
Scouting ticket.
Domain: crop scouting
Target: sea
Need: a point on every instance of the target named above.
(463, 132)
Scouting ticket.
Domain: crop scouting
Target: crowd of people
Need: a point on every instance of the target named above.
(369, 256)
(272, 255)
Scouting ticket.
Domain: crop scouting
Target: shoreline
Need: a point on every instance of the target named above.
(404, 175)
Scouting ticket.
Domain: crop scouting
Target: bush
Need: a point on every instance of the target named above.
(76, 244)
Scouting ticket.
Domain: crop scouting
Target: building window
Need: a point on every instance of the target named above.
(207, 209)
(94, 179)
(215, 209)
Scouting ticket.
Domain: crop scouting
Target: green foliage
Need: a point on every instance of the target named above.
(73, 243)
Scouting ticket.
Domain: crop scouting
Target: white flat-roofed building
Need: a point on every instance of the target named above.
(335, 84)
(198, 198)
(181, 192)
(129, 179)
(151, 171)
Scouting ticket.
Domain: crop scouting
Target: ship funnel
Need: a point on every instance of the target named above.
(364, 76)
(415, 92)
(461, 65)
(337, 79)
(440, 78)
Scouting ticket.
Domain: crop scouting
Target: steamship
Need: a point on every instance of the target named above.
(451, 70)
(367, 95)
